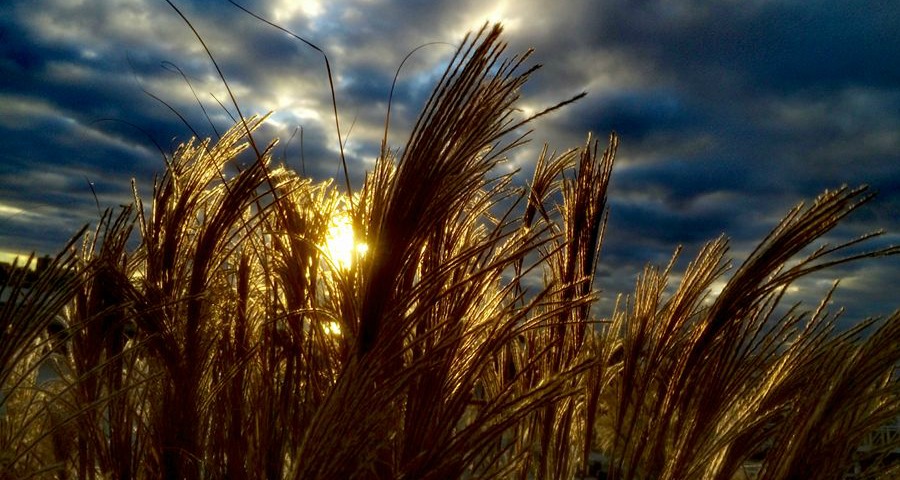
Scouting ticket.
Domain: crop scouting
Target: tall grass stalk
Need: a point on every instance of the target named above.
(230, 343)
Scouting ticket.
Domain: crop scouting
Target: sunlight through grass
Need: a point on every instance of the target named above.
(236, 326)
(341, 244)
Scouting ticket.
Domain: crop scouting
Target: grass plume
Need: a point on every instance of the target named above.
(230, 343)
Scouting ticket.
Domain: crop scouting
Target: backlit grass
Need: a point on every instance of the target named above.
(269, 326)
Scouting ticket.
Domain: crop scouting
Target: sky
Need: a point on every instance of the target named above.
(729, 112)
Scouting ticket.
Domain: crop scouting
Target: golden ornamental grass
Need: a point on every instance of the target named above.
(230, 343)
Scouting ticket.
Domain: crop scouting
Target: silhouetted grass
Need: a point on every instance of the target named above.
(229, 344)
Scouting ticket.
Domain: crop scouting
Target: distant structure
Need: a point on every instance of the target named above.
(887, 434)
(9, 272)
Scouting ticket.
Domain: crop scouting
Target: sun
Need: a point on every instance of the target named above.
(333, 328)
(341, 245)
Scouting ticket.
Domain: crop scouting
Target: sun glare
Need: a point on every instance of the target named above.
(502, 11)
(341, 245)
(286, 11)
(333, 328)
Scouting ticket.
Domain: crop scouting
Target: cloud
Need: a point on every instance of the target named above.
(728, 116)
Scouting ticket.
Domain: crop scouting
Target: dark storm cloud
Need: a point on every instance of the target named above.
(765, 45)
(762, 105)
(635, 114)
(728, 113)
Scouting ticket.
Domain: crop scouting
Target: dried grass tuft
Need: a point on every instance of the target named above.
(228, 343)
